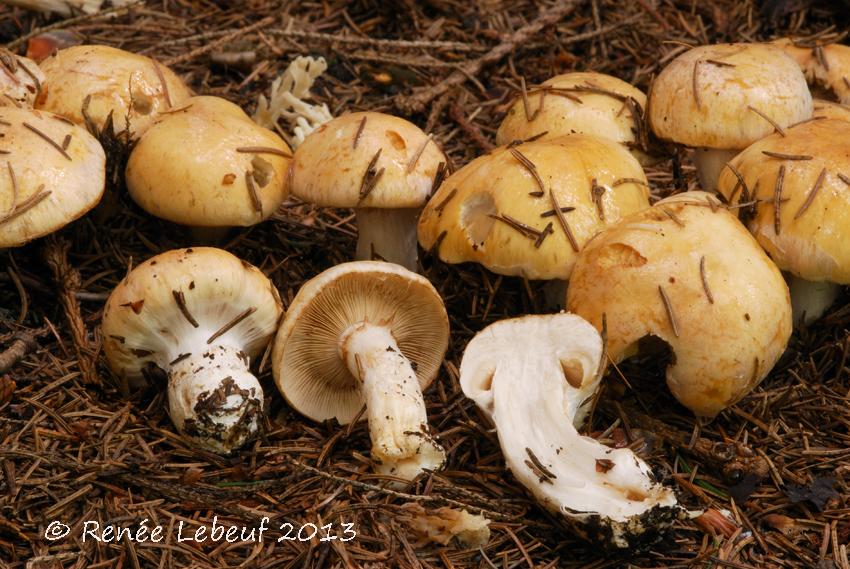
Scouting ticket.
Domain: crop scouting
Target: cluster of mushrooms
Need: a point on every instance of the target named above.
(719, 275)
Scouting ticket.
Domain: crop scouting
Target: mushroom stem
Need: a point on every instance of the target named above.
(710, 162)
(402, 445)
(214, 399)
(809, 300)
(387, 235)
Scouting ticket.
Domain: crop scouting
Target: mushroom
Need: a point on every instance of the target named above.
(67, 7)
(801, 185)
(687, 272)
(719, 99)
(527, 210)
(367, 333)
(579, 102)
(830, 110)
(195, 318)
(20, 80)
(51, 173)
(534, 377)
(210, 167)
(382, 166)
(827, 67)
(98, 81)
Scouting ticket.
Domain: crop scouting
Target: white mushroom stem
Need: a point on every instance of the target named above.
(809, 300)
(398, 424)
(388, 235)
(214, 399)
(710, 162)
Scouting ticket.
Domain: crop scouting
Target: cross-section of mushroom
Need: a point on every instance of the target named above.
(195, 317)
(534, 377)
(368, 333)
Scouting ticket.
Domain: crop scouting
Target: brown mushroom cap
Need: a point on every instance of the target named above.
(688, 272)
(209, 165)
(53, 172)
(329, 167)
(308, 367)
(115, 81)
(580, 102)
(714, 96)
(814, 212)
(479, 212)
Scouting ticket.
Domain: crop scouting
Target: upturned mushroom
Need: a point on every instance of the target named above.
(527, 210)
(798, 188)
(367, 333)
(53, 172)
(21, 80)
(719, 99)
(687, 272)
(210, 167)
(583, 103)
(98, 81)
(193, 319)
(382, 166)
(535, 378)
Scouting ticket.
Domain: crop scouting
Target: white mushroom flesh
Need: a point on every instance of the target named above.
(535, 377)
(810, 300)
(709, 163)
(387, 235)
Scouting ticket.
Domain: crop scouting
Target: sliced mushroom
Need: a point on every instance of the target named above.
(194, 318)
(367, 333)
(535, 377)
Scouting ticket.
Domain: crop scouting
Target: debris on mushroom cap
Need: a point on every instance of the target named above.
(21, 80)
(535, 376)
(51, 173)
(67, 7)
(726, 96)
(367, 333)
(287, 100)
(444, 524)
(501, 209)
(580, 102)
(209, 165)
(808, 233)
(331, 167)
(195, 318)
(96, 80)
(719, 303)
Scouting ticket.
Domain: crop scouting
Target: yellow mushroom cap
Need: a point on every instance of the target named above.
(133, 87)
(493, 211)
(581, 102)
(308, 366)
(714, 96)
(833, 70)
(209, 165)
(829, 110)
(21, 80)
(51, 173)
(689, 274)
(814, 226)
(329, 167)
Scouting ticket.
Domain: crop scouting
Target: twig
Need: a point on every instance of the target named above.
(212, 46)
(812, 194)
(777, 198)
(22, 344)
